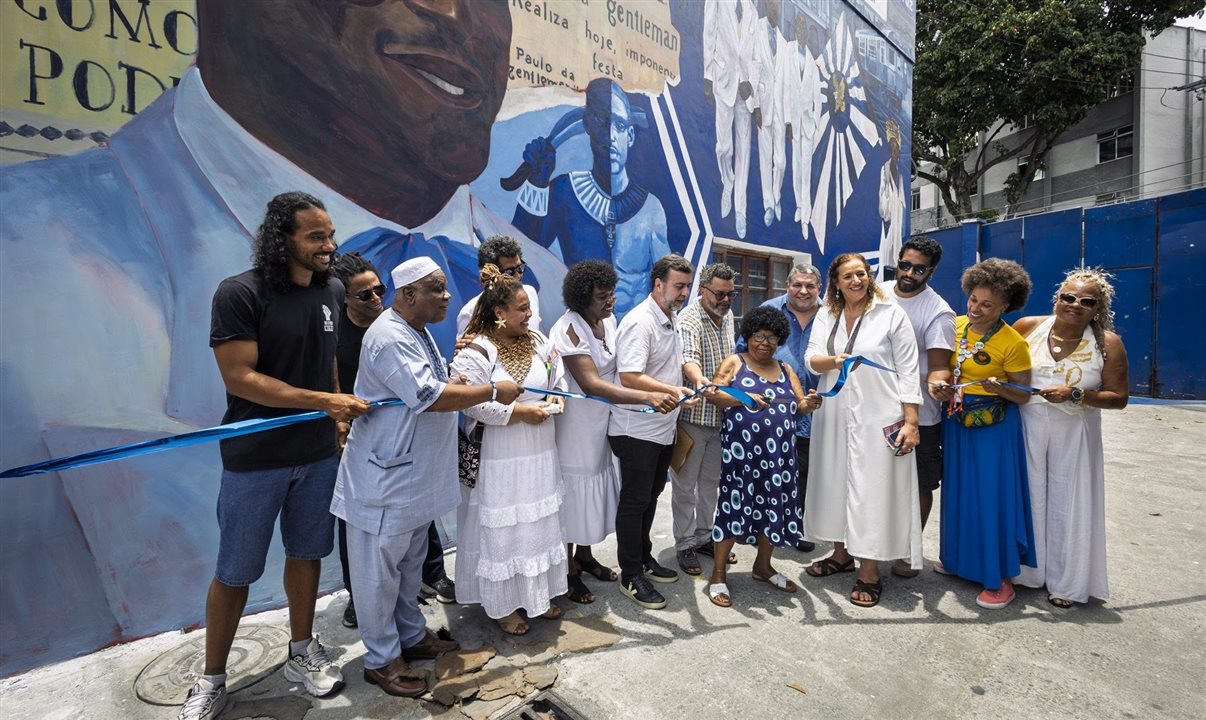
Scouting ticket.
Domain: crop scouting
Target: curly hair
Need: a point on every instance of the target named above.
(1003, 277)
(498, 289)
(349, 266)
(765, 318)
(1103, 319)
(927, 246)
(582, 280)
(495, 247)
(715, 271)
(834, 300)
(269, 256)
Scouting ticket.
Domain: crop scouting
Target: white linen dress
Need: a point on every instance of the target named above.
(588, 468)
(1066, 464)
(511, 550)
(859, 491)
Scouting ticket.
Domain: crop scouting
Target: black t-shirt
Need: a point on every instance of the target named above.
(351, 337)
(295, 332)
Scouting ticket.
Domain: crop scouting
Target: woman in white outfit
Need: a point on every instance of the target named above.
(585, 339)
(511, 552)
(866, 499)
(1080, 367)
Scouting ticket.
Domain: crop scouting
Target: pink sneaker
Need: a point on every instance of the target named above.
(941, 569)
(996, 599)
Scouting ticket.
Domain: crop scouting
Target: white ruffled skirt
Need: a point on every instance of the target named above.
(511, 549)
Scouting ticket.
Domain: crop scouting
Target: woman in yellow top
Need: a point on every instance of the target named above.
(987, 533)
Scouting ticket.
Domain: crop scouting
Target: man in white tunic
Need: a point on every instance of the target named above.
(801, 98)
(770, 118)
(399, 473)
(933, 323)
(891, 202)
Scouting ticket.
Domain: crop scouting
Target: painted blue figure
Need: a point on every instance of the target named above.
(598, 213)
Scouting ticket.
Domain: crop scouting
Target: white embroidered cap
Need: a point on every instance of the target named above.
(413, 270)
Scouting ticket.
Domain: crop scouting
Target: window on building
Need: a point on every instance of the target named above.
(758, 276)
(916, 204)
(974, 190)
(1117, 143)
(1038, 174)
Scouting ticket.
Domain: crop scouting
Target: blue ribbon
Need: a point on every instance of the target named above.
(1026, 388)
(740, 395)
(848, 366)
(197, 437)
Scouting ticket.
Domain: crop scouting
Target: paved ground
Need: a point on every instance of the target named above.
(926, 651)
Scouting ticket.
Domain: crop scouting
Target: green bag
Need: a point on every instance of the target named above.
(981, 410)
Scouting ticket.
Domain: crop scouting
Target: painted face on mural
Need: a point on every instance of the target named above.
(378, 99)
(608, 123)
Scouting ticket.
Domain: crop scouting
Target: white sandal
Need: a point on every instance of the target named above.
(778, 580)
(717, 591)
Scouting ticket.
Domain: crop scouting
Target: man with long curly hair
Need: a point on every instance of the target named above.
(273, 336)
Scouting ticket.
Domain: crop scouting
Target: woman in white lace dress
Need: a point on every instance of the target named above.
(511, 553)
(585, 338)
(1080, 368)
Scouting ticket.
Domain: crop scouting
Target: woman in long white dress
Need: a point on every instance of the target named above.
(1079, 365)
(585, 339)
(865, 499)
(511, 553)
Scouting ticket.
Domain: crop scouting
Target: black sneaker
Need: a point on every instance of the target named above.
(804, 545)
(657, 573)
(688, 562)
(642, 593)
(445, 590)
(349, 615)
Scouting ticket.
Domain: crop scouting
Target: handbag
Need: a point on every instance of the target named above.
(469, 454)
(981, 411)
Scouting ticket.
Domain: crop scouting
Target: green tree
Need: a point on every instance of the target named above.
(983, 65)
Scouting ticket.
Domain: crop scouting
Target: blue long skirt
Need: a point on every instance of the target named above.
(987, 532)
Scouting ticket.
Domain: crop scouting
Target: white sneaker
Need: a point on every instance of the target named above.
(314, 670)
(204, 701)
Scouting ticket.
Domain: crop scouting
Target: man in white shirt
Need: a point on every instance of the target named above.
(505, 254)
(648, 357)
(933, 323)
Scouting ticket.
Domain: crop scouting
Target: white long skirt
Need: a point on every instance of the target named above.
(1066, 464)
(511, 552)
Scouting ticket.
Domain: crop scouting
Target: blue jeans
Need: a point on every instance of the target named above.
(248, 505)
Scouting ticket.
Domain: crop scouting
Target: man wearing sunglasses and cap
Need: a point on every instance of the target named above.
(933, 323)
(399, 473)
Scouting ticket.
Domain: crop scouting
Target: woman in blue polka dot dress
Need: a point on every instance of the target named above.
(758, 502)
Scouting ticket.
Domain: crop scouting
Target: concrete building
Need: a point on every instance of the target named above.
(1148, 139)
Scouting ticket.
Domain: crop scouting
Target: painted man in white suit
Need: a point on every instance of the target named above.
(801, 98)
(774, 82)
(891, 202)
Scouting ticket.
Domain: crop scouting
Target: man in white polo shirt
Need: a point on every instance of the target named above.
(933, 323)
(648, 357)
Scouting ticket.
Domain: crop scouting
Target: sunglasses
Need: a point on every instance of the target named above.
(366, 295)
(1070, 299)
(734, 294)
(516, 271)
(911, 268)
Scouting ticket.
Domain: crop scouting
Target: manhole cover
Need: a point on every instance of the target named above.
(258, 651)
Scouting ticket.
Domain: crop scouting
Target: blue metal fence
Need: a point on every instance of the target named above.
(1156, 250)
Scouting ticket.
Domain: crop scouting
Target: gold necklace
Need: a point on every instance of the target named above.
(516, 357)
(1057, 349)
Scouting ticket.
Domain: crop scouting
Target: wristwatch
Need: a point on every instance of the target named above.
(1078, 396)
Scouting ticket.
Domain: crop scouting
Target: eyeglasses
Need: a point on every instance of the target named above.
(764, 339)
(911, 268)
(366, 295)
(734, 294)
(1070, 299)
(516, 271)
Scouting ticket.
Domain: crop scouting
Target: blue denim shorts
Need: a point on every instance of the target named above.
(248, 504)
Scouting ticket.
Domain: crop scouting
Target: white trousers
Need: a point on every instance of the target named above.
(694, 488)
(386, 573)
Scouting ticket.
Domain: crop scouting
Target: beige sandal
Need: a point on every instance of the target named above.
(513, 624)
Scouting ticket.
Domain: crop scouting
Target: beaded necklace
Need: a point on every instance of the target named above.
(516, 357)
(975, 351)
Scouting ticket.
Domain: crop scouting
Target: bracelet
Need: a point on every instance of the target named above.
(493, 392)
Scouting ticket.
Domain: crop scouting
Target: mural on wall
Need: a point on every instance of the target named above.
(585, 128)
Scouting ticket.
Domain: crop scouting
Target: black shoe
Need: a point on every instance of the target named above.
(657, 573)
(445, 590)
(688, 561)
(642, 593)
(349, 615)
(804, 545)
